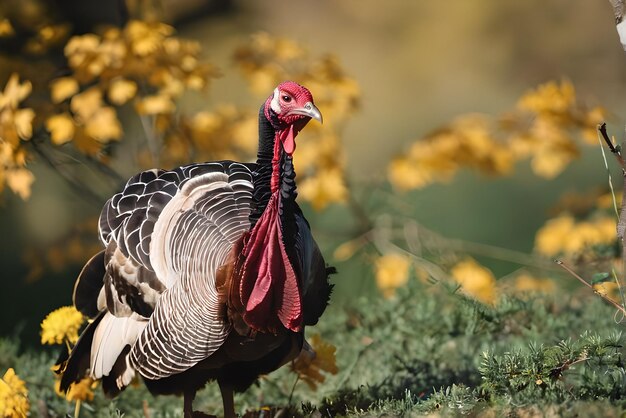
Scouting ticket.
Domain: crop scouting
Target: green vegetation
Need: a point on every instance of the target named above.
(427, 350)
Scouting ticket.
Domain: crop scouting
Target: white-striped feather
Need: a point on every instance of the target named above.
(109, 340)
(191, 240)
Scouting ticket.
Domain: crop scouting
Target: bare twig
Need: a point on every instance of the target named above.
(583, 281)
(617, 152)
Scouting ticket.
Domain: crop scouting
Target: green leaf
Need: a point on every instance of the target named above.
(600, 278)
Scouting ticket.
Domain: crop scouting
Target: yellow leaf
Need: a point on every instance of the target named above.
(14, 92)
(23, 120)
(527, 283)
(405, 174)
(550, 239)
(324, 188)
(245, 134)
(104, 125)
(550, 163)
(79, 47)
(20, 180)
(155, 104)
(121, 91)
(63, 88)
(87, 103)
(475, 280)
(61, 128)
(550, 97)
(6, 29)
(392, 271)
(346, 250)
(6, 154)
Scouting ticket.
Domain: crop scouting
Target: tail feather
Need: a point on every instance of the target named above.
(109, 341)
(116, 381)
(88, 286)
(75, 368)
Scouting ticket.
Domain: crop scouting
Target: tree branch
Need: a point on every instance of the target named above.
(583, 281)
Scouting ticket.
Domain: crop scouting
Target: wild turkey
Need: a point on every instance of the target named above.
(209, 271)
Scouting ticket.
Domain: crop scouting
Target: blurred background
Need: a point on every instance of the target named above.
(417, 65)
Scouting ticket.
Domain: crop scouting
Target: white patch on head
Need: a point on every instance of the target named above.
(274, 103)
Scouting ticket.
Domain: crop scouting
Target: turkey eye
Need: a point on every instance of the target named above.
(286, 99)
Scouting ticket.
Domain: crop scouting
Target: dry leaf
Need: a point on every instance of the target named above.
(61, 128)
(310, 364)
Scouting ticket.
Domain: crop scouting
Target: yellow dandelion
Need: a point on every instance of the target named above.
(475, 280)
(392, 271)
(13, 396)
(310, 365)
(61, 325)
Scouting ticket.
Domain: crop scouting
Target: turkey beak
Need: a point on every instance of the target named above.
(310, 110)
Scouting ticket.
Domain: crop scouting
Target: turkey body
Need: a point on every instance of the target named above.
(193, 282)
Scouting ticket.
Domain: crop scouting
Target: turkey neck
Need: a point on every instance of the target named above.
(272, 162)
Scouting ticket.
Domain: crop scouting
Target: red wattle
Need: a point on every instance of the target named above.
(289, 140)
(269, 287)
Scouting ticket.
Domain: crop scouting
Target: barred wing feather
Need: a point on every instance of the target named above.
(167, 234)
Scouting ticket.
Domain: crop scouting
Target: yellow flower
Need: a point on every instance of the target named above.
(550, 97)
(392, 271)
(13, 396)
(61, 325)
(310, 365)
(61, 128)
(475, 280)
(122, 90)
(527, 283)
(324, 188)
(63, 88)
(551, 238)
(564, 235)
(20, 180)
(14, 92)
(81, 391)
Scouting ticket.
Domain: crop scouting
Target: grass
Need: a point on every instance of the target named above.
(429, 350)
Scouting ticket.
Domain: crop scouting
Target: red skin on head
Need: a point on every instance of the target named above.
(286, 97)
